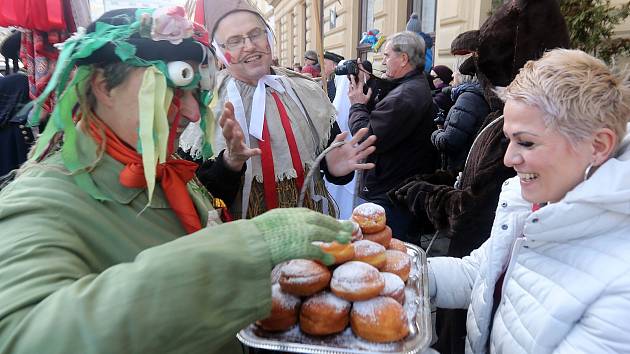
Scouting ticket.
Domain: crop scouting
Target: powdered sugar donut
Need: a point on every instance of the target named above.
(370, 252)
(381, 319)
(284, 311)
(394, 287)
(370, 217)
(356, 281)
(324, 313)
(303, 277)
(382, 237)
(398, 263)
(398, 245)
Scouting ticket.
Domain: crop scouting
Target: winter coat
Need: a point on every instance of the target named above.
(464, 213)
(402, 122)
(78, 275)
(461, 125)
(566, 287)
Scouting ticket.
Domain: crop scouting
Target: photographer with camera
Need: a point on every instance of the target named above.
(402, 121)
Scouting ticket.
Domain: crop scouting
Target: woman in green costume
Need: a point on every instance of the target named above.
(104, 238)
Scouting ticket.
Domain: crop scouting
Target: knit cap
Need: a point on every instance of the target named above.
(414, 24)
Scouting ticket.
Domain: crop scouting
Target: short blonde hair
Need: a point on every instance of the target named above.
(577, 93)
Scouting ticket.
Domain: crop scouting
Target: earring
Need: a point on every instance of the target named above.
(587, 172)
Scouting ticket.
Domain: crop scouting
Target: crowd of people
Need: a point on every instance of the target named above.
(161, 190)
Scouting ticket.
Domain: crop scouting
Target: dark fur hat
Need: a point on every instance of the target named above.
(518, 31)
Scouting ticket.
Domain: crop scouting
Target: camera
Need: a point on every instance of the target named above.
(348, 67)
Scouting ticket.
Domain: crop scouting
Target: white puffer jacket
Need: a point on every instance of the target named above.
(567, 284)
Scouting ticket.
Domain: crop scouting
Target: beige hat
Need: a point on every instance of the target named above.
(216, 10)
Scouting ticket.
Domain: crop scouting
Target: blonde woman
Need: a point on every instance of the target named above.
(553, 275)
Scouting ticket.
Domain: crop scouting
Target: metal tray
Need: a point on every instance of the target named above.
(416, 306)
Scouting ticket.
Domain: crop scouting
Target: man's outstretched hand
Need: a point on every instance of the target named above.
(236, 151)
(347, 158)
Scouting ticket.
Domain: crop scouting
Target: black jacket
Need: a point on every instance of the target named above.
(461, 125)
(402, 122)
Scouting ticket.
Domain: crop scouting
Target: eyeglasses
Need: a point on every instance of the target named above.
(256, 36)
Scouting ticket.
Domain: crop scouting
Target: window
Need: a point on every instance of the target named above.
(367, 16)
(426, 10)
(366, 23)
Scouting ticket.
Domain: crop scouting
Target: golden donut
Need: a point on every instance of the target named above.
(398, 263)
(284, 311)
(341, 252)
(356, 281)
(324, 313)
(382, 237)
(370, 217)
(381, 319)
(394, 287)
(398, 245)
(303, 277)
(370, 252)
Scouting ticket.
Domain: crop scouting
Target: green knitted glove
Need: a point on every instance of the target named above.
(289, 233)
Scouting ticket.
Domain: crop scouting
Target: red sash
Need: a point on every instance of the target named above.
(266, 158)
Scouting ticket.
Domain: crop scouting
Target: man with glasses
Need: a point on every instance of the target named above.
(286, 116)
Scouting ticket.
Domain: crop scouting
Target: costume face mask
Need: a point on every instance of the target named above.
(168, 47)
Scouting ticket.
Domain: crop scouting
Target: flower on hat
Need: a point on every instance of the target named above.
(171, 24)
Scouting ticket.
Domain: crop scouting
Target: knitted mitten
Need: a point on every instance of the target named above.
(289, 233)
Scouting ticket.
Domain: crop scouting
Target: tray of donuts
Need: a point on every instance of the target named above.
(374, 299)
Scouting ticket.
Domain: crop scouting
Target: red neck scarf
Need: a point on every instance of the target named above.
(172, 175)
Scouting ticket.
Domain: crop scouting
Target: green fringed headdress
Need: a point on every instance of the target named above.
(160, 40)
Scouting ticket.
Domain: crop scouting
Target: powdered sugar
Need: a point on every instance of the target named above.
(285, 300)
(416, 308)
(368, 209)
(328, 298)
(393, 283)
(372, 310)
(366, 247)
(397, 259)
(301, 271)
(353, 276)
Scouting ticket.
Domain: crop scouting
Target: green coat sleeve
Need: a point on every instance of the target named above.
(189, 295)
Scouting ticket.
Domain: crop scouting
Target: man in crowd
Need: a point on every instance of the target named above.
(330, 63)
(402, 122)
(288, 117)
(104, 246)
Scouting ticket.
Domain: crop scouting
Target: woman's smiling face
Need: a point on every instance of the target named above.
(547, 163)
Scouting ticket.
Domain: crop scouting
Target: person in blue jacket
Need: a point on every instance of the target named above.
(414, 25)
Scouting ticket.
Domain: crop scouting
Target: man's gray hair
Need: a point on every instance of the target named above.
(411, 44)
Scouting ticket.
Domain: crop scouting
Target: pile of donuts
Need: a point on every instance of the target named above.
(365, 288)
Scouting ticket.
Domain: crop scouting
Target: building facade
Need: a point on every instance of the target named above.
(344, 21)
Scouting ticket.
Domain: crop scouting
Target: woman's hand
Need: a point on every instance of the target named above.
(348, 157)
(236, 151)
